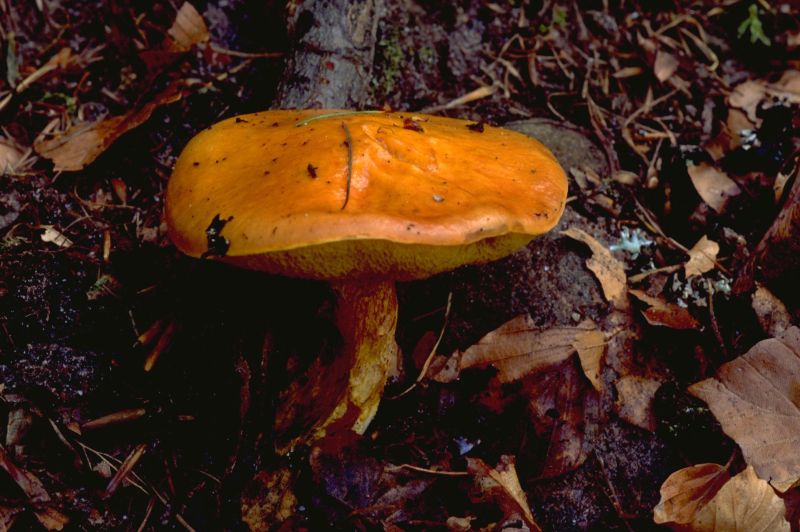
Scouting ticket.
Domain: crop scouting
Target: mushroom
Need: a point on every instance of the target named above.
(360, 200)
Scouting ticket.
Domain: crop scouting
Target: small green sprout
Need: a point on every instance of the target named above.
(753, 24)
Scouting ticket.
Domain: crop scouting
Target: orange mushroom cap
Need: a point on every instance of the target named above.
(331, 194)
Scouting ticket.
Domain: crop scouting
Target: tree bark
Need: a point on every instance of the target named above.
(330, 62)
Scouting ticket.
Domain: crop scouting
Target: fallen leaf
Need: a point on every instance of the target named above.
(744, 504)
(702, 257)
(9, 156)
(746, 96)
(772, 314)
(665, 65)
(591, 346)
(34, 490)
(608, 270)
(187, 30)
(564, 410)
(268, 500)
(518, 348)
(665, 314)
(459, 524)
(501, 484)
(713, 185)
(634, 400)
(81, 144)
(8, 515)
(749, 95)
(687, 490)
(54, 236)
(754, 397)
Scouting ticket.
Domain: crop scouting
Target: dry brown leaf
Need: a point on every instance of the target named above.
(755, 399)
(665, 65)
(687, 490)
(772, 314)
(608, 270)
(591, 346)
(634, 400)
(564, 410)
(9, 156)
(502, 485)
(34, 490)
(53, 235)
(518, 348)
(8, 516)
(713, 185)
(665, 314)
(187, 30)
(746, 96)
(268, 499)
(701, 257)
(744, 504)
(81, 144)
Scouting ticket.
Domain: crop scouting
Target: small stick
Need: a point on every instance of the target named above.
(124, 469)
(122, 416)
(335, 115)
(428, 360)
(396, 468)
(349, 142)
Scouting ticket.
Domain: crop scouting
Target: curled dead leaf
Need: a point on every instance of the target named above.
(744, 504)
(10, 156)
(749, 95)
(268, 499)
(713, 185)
(502, 485)
(187, 30)
(665, 65)
(564, 411)
(772, 314)
(754, 397)
(746, 96)
(702, 257)
(81, 144)
(660, 312)
(686, 491)
(518, 348)
(608, 270)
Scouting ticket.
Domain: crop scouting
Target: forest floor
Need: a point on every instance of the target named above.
(635, 368)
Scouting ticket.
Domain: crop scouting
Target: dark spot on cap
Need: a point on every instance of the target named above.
(477, 127)
(413, 125)
(195, 163)
(275, 124)
(240, 120)
(217, 244)
(312, 170)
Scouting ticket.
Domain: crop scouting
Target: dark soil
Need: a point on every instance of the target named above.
(74, 319)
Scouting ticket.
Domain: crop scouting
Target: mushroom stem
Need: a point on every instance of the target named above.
(366, 315)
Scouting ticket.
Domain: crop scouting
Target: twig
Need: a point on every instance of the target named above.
(395, 469)
(428, 360)
(348, 140)
(245, 55)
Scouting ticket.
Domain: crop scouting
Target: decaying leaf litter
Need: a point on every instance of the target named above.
(658, 289)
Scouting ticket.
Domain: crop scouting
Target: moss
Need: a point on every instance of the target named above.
(391, 58)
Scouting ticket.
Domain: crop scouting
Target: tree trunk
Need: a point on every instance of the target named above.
(330, 62)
